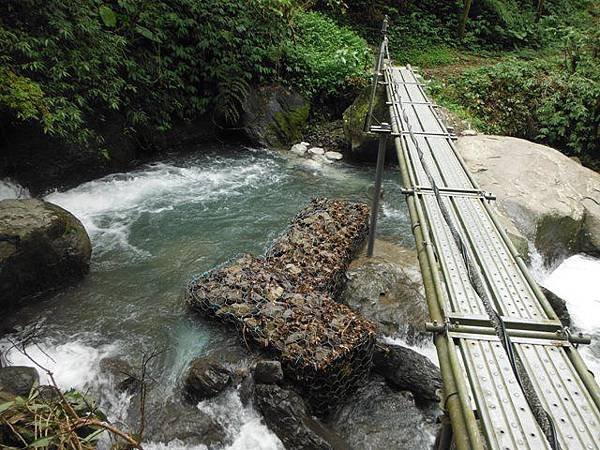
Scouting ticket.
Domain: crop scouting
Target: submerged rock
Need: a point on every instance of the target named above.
(42, 247)
(380, 418)
(553, 200)
(206, 378)
(122, 373)
(559, 306)
(18, 380)
(285, 414)
(408, 370)
(274, 116)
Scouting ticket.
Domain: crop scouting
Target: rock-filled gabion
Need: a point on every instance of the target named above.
(283, 302)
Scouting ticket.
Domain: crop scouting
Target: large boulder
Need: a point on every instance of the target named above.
(286, 415)
(42, 247)
(274, 116)
(552, 199)
(408, 370)
(363, 146)
(380, 418)
(18, 380)
(387, 289)
(206, 378)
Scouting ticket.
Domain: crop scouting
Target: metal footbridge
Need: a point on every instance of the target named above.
(513, 378)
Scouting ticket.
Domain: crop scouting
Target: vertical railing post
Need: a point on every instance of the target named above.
(376, 76)
(383, 132)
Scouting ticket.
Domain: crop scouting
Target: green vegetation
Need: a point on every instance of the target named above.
(72, 66)
(522, 68)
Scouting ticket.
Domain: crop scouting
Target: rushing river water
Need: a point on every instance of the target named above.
(155, 228)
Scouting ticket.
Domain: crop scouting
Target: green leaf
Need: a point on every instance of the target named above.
(146, 33)
(43, 442)
(94, 436)
(5, 406)
(108, 16)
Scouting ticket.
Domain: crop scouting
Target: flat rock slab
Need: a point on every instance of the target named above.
(283, 302)
(552, 199)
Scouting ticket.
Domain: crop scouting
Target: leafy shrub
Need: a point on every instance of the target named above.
(69, 64)
(324, 59)
(539, 100)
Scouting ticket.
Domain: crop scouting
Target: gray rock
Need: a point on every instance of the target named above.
(380, 418)
(363, 146)
(389, 295)
(551, 199)
(268, 372)
(174, 420)
(285, 414)
(469, 132)
(334, 156)
(316, 151)
(122, 373)
(274, 116)
(18, 380)
(299, 149)
(206, 378)
(42, 247)
(408, 370)
(559, 306)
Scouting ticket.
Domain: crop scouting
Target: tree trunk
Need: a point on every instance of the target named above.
(540, 10)
(463, 21)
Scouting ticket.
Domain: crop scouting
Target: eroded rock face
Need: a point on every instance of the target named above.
(552, 199)
(42, 247)
(408, 370)
(378, 417)
(268, 372)
(275, 116)
(559, 306)
(206, 378)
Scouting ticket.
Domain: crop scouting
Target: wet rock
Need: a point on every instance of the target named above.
(42, 247)
(380, 418)
(285, 414)
(122, 373)
(559, 306)
(316, 151)
(268, 372)
(407, 370)
(274, 116)
(334, 156)
(299, 149)
(206, 378)
(390, 296)
(174, 420)
(18, 380)
(551, 199)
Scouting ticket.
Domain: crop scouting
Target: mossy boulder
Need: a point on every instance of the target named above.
(275, 116)
(363, 146)
(42, 247)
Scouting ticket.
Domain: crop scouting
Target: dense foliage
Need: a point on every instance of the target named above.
(554, 100)
(72, 65)
(325, 59)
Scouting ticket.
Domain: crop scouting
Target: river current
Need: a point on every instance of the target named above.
(155, 228)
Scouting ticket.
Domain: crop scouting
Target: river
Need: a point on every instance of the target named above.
(155, 228)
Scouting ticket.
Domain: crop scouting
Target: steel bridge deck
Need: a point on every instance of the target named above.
(504, 417)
